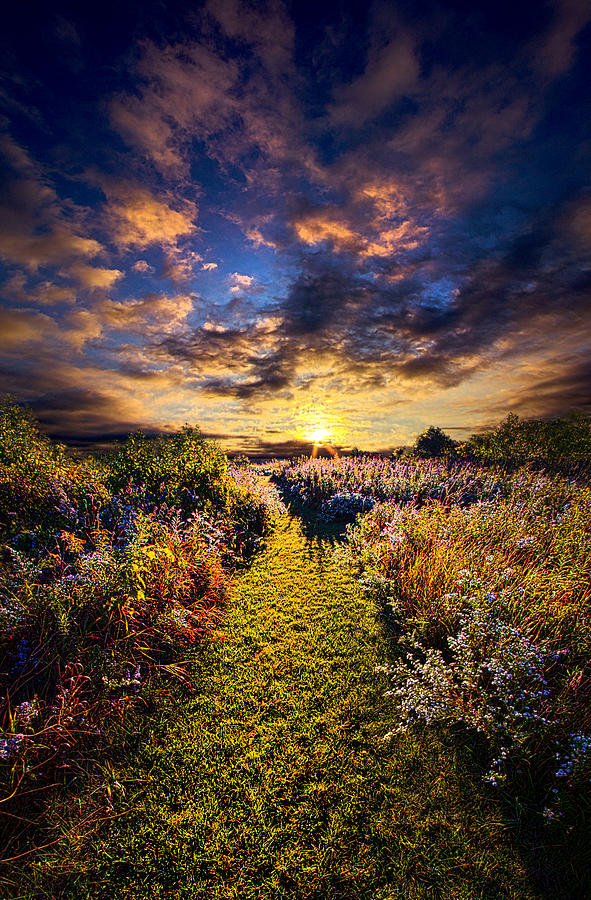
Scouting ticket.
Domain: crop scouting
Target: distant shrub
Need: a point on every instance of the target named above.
(434, 442)
(566, 439)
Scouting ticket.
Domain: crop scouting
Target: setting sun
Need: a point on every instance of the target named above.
(319, 435)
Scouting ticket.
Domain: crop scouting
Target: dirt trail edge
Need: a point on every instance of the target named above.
(274, 781)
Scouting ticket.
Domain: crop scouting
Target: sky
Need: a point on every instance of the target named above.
(287, 221)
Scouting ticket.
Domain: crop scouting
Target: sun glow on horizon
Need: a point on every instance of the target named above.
(319, 435)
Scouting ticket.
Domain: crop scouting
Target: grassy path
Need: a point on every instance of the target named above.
(273, 781)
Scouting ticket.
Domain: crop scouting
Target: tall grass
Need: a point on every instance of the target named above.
(492, 607)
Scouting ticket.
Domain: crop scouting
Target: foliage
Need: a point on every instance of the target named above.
(561, 440)
(343, 487)
(77, 623)
(180, 469)
(492, 605)
(434, 442)
(109, 572)
(272, 780)
(41, 490)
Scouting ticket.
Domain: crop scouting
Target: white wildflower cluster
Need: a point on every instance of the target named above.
(467, 579)
(26, 711)
(523, 543)
(345, 504)
(490, 678)
(249, 478)
(393, 533)
(64, 505)
(209, 532)
(12, 611)
(65, 584)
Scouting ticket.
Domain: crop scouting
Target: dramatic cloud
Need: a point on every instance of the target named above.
(240, 214)
(137, 218)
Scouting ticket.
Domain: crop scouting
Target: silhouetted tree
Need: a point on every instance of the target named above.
(434, 442)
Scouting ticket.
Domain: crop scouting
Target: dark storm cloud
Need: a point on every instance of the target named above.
(354, 201)
(320, 301)
(569, 388)
(263, 448)
(271, 379)
(77, 413)
(379, 331)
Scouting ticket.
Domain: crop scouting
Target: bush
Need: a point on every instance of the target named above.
(491, 605)
(434, 442)
(109, 571)
(41, 490)
(85, 628)
(180, 469)
(564, 440)
(492, 678)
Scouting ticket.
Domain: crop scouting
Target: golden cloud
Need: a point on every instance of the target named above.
(406, 236)
(34, 231)
(21, 327)
(81, 325)
(240, 282)
(381, 238)
(154, 313)
(142, 266)
(93, 277)
(138, 218)
(322, 226)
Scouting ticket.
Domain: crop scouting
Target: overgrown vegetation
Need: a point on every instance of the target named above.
(485, 575)
(491, 603)
(442, 748)
(342, 488)
(110, 570)
(563, 441)
(273, 781)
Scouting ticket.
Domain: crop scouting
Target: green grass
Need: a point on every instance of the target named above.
(273, 781)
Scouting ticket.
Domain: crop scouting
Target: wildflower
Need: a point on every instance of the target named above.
(26, 711)
(9, 747)
(22, 654)
(525, 542)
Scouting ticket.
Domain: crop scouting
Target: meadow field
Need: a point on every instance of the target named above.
(361, 677)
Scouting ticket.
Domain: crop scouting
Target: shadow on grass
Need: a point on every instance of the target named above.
(314, 525)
